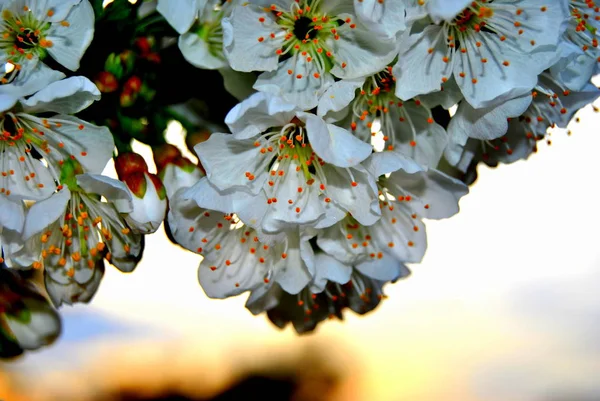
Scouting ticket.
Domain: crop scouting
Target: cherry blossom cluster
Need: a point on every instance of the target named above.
(58, 213)
(316, 196)
(356, 121)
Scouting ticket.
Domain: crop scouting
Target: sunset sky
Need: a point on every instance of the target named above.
(505, 306)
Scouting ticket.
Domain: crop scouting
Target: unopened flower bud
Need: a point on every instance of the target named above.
(127, 98)
(164, 154)
(133, 84)
(26, 317)
(106, 82)
(149, 201)
(128, 163)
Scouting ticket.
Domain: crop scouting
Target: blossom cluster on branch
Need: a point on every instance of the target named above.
(326, 131)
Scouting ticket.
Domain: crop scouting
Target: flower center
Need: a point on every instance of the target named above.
(84, 235)
(23, 36)
(377, 102)
(307, 31)
(304, 29)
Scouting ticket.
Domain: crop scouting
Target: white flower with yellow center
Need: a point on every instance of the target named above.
(286, 167)
(580, 50)
(302, 45)
(510, 131)
(26, 138)
(30, 30)
(198, 23)
(235, 257)
(372, 108)
(71, 232)
(494, 50)
(408, 193)
(307, 309)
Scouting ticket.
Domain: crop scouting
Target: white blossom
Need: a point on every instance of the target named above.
(302, 45)
(494, 50)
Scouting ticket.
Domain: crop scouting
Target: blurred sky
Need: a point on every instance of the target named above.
(505, 306)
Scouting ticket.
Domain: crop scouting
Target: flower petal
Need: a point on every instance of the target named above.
(198, 52)
(329, 269)
(70, 41)
(68, 96)
(180, 14)
(297, 81)
(242, 45)
(42, 327)
(30, 79)
(230, 163)
(45, 212)
(333, 144)
(264, 110)
(421, 67)
(387, 268)
(74, 292)
(488, 122)
(113, 190)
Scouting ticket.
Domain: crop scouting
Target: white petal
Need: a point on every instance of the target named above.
(282, 214)
(495, 82)
(263, 299)
(149, 212)
(74, 292)
(180, 14)
(359, 52)
(445, 10)
(387, 268)
(227, 160)
(46, 212)
(175, 177)
(90, 144)
(435, 191)
(70, 42)
(60, 9)
(338, 96)
(30, 80)
(394, 233)
(386, 162)
(329, 269)
(23, 165)
(250, 208)
(264, 110)
(489, 122)
(113, 190)
(295, 272)
(384, 17)
(68, 96)
(361, 200)
(411, 123)
(12, 215)
(42, 327)
(190, 223)
(297, 81)
(420, 67)
(333, 144)
(7, 101)
(198, 52)
(241, 43)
